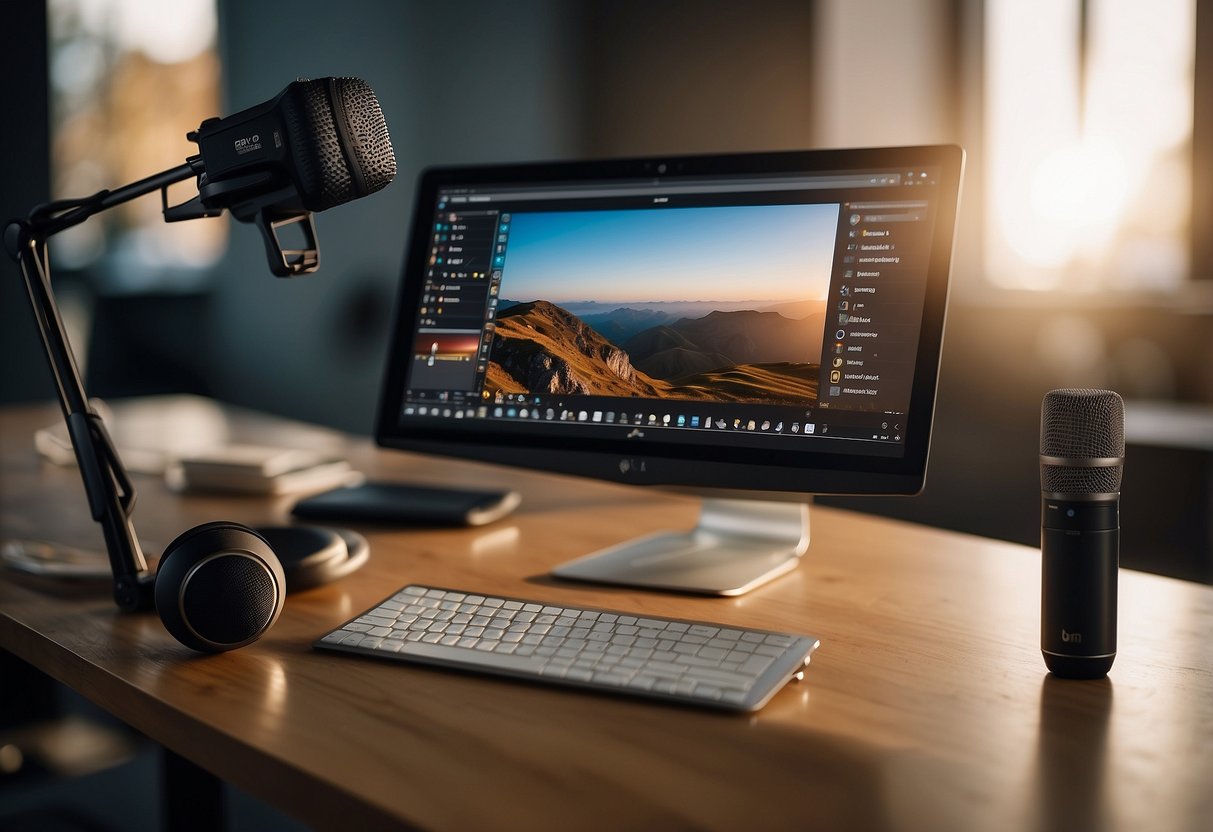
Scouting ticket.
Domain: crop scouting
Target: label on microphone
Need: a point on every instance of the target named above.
(247, 144)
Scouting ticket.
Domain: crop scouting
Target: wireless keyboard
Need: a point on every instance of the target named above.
(688, 662)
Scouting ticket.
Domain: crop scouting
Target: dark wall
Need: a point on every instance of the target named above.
(460, 82)
(999, 361)
(659, 79)
(24, 183)
(476, 81)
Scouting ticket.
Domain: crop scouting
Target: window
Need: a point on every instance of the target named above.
(1088, 114)
(129, 78)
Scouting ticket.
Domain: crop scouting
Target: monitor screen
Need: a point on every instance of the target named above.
(754, 325)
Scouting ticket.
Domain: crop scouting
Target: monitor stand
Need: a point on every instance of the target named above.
(736, 546)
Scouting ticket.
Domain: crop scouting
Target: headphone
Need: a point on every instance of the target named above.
(222, 585)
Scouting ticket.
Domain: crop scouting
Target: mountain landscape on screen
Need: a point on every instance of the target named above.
(743, 352)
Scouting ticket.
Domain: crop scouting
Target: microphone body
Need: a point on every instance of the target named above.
(317, 144)
(1081, 461)
(1080, 558)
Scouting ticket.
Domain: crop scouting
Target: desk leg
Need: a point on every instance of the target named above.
(191, 797)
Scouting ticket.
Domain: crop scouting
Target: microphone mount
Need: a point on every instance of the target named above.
(265, 210)
(110, 493)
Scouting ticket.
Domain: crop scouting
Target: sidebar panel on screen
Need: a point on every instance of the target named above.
(458, 299)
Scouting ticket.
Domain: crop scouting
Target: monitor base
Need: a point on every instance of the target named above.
(736, 546)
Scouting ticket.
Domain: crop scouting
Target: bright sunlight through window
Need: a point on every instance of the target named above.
(1088, 117)
(129, 79)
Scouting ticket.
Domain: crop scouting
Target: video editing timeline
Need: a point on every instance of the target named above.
(863, 366)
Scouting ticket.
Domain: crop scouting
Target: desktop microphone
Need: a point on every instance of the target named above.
(1082, 449)
(317, 144)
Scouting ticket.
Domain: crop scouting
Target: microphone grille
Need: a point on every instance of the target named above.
(339, 141)
(1078, 424)
(372, 147)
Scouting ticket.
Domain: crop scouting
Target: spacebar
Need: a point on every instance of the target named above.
(441, 654)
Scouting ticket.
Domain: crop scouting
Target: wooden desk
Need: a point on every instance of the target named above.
(926, 707)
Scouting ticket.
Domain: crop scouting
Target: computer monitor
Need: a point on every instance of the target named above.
(753, 328)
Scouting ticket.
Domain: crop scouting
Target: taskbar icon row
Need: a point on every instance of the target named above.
(653, 419)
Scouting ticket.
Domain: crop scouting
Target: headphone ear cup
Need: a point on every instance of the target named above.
(219, 586)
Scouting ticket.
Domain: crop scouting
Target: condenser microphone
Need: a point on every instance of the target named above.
(317, 144)
(1082, 449)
